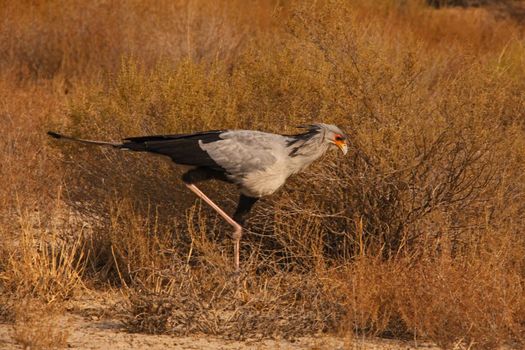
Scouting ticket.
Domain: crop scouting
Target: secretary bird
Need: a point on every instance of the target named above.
(259, 163)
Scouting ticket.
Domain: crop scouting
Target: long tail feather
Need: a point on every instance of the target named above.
(89, 142)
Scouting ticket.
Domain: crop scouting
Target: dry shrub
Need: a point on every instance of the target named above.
(7, 314)
(133, 248)
(25, 112)
(43, 39)
(38, 326)
(241, 307)
(41, 264)
(181, 281)
(430, 134)
(416, 234)
(473, 299)
(513, 9)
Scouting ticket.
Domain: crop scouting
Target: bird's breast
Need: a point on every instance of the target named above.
(264, 182)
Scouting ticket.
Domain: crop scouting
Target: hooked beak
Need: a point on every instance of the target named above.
(342, 146)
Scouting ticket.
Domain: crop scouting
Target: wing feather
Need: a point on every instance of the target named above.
(181, 148)
(237, 153)
(241, 152)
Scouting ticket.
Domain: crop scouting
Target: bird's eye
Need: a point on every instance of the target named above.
(339, 138)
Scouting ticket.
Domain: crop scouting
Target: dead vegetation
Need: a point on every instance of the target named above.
(37, 326)
(261, 306)
(416, 235)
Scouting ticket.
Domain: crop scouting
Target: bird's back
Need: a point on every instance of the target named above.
(254, 160)
(258, 162)
(245, 151)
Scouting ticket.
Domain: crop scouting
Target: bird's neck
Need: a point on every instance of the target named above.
(306, 155)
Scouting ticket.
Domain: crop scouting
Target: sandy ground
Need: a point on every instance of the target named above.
(90, 325)
(109, 334)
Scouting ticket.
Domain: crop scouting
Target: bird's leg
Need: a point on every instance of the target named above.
(221, 212)
(244, 206)
(236, 227)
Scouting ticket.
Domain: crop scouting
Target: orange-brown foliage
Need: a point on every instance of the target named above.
(418, 233)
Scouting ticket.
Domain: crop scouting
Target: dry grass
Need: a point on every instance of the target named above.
(417, 234)
(40, 264)
(38, 326)
(467, 299)
(211, 302)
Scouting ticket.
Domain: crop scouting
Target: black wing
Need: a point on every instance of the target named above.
(181, 148)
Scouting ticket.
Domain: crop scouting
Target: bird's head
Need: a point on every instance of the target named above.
(333, 135)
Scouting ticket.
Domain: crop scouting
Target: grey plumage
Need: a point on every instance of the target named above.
(259, 163)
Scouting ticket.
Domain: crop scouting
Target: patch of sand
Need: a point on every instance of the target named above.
(109, 334)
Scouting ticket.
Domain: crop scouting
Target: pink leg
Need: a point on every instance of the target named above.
(237, 233)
